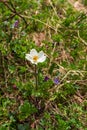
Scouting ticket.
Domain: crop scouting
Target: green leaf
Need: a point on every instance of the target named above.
(26, 110)
(23, 126)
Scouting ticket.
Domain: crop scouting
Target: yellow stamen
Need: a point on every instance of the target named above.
(35, 58)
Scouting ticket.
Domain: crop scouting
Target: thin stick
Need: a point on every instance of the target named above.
(85, 43)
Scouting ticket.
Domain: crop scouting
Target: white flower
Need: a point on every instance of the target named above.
(36, 57)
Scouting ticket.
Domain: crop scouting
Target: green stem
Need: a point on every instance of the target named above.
(36, 76)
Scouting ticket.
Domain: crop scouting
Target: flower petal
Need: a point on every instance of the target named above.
(42, 59)
(34, 62)
(46, 78)
(33, 52)
(40, 54)
(28, 57)
(56, 81)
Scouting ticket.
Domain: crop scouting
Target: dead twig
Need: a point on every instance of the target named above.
(13, 10)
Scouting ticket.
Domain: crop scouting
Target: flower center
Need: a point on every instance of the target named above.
(35, 58)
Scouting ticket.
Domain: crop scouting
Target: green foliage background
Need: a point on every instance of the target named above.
(61, 32)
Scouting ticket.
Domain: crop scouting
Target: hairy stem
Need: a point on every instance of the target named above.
(36, 77)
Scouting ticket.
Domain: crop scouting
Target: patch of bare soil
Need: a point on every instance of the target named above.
(78, 5)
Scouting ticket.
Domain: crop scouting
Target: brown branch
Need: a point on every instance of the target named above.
(7, 5)
(13, 10)
(18, 13)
